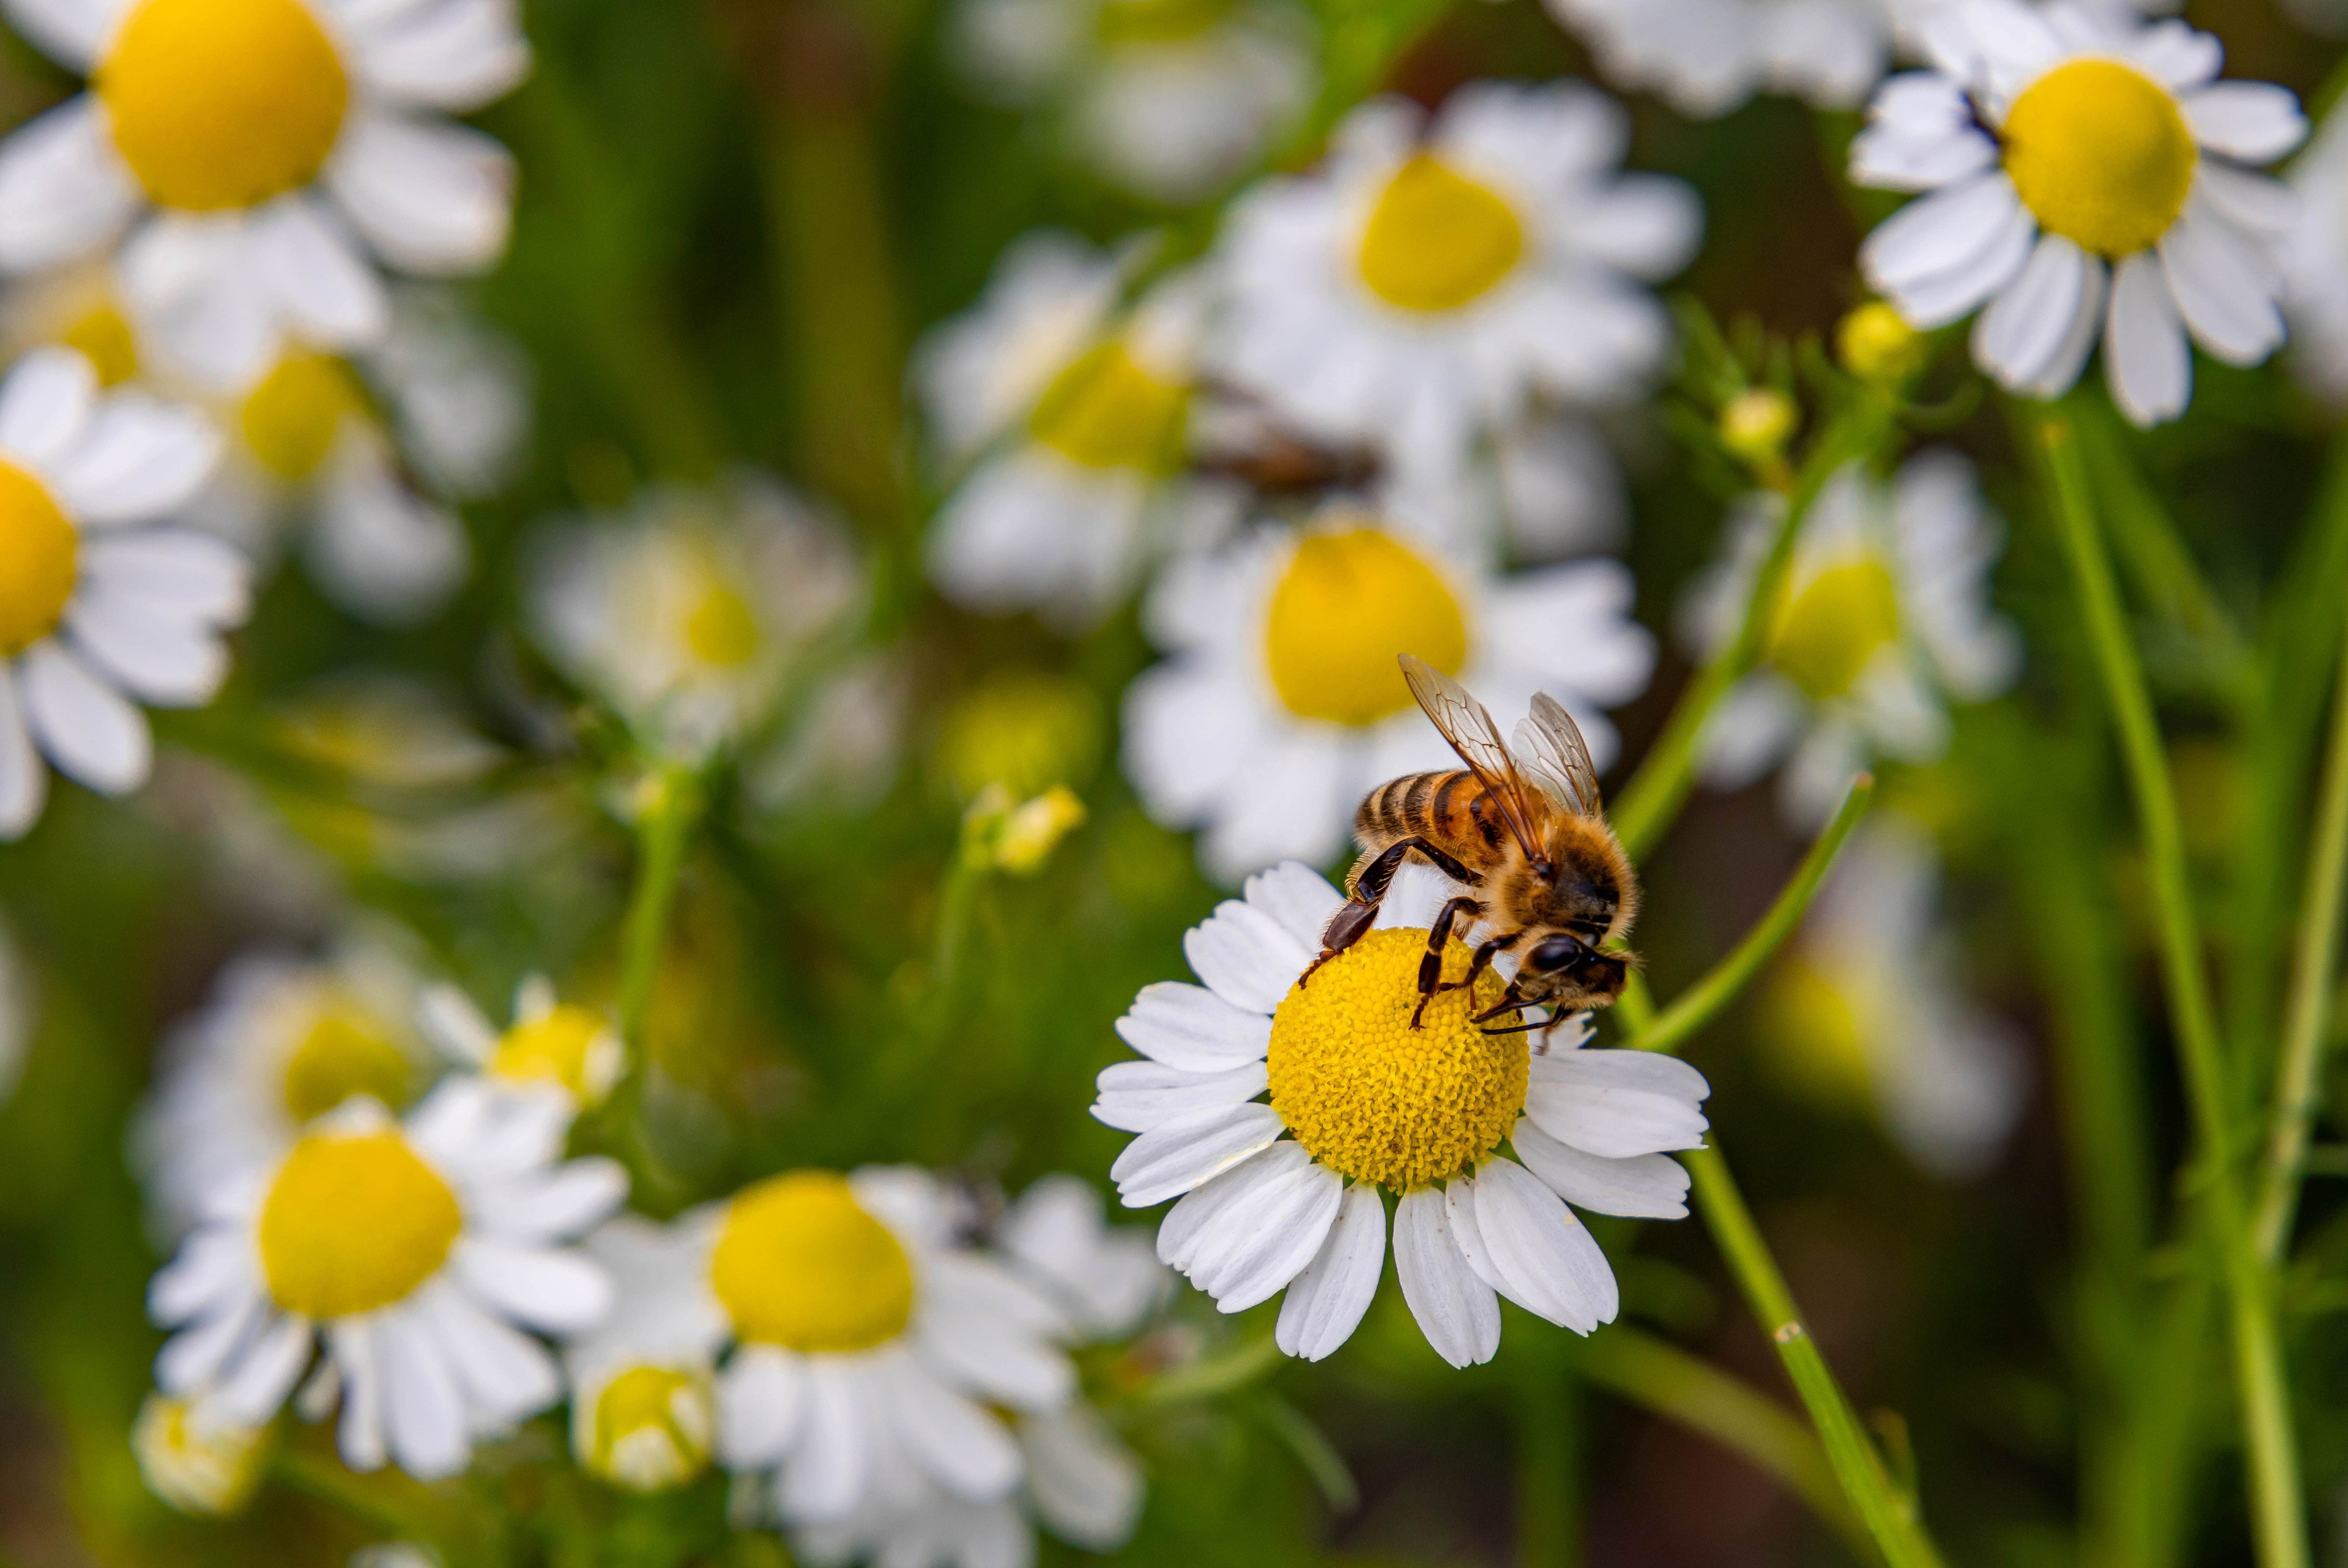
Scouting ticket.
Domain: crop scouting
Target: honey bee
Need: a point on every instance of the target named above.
(1522, 829)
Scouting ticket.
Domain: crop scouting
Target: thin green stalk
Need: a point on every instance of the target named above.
(1685, 1389)
(1703, 1001)
(2307, 1021)
(1548, 1398)
(667, 808)
(1887, 1511)
(2277, 1504)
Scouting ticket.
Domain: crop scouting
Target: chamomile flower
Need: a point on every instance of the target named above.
(2087, 179)
(1104, 1278)
(1169, 98)
(1866, 1010)
(280, 1041)
(1885, 619)
(211, 1472)
(1280, 703)
(644, 1402)
(550, 1041)
(1071, 414)
(1434, 278)
(1285, 1194)
(689, 612)
(253, 164)
(416, 1253)
(102, 606)
(2315, 264)
(1706, 56)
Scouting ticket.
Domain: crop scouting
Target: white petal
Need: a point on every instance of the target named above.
(360, 1435)
(314, 271)
(1176, 1156)
(1617, 1102)
(2146, 361)
(1245, 957)
(83, 723)
(1193, 1229)
(1298, 897)
(2256, 122)
(450, 1020)
(2259, 204)
(506, 1375)
(458, 56)
(559, 1292)
(994, 1334)
(1458, 1313)
(175, 571)
(194, 1355)
(72, 32)
(212, 1268)
(430, 197)
(169, 663)
(24, 782)
(45, 404)
(1270, 1238)
(962, 1448)
(1641, 1186)
(1325, 1303)
(63, 190)
(1135, 1096)
(421, 1412)
(1190, 1028)
(1936, 234)
(1548, 1261)
(256, 1388)
(1085, 1487)
(137, 458)
(2224, 285)
(560, 1203)
(2027, 326)
(2062, 369)
(761, 1400)
(831, 1463)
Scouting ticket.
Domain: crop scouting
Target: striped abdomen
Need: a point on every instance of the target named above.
(1448, 808)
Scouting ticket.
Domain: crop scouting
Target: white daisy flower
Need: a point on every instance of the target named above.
(860, 1343)
(1285, 1194)
(1885, 619)
(689, 612)
(1281, 704)
(1169, 98)
(1434, 278)
(100, 606)
(1104, 1278)
(1865, 1007)
(209, 1472)
(416, 1251)
(280, 1041)
(253, 163)
(1704, 57)
(2315, 264)
(574, 1048)
(644, 1402)
(2088, 178)
(1071, 415)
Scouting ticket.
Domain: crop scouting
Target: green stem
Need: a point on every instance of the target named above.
(1227, 1371)
(1887, 1511)
(329, 1482)
(668, 806)
(2307, 1022)
(1548, 1471)
(1701, 1002)
(2277, 1506)
(1685, 1389)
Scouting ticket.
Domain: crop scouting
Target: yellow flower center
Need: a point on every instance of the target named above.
(354, 1223)
(801, 1265)
(291, 419)
(1374, 1099)
(2101, 155)
(1105, 410)
(1812, 1026)
(345, 1052)
(39, 557)
(650, 1428)
(721, 628)
(222, 103)
(1438, 239)
(553, 1046)
(104, 336)
(1347, 604)
(1825, 636)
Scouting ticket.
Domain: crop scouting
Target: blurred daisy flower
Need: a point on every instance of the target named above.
(1070, 413)
(689, 612)
(258, 161)
(280, 1041)
(643, 1411)
(210, 1472)
(1866, 1010)
(1435, 277)
(1167, 98)
(416, 1251)
(1286, 1195)
(101, 607)
(2315, 264)
(1885, 617)
(2088, 179)
(1281, 704)
(1705, 57)
(550, 1041)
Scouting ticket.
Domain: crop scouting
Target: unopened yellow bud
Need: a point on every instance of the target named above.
(1030, 833)
(1876, 344)
(196, 1466)
(1757, 423)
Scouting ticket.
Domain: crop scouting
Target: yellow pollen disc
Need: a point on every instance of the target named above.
(105, 338)
(352, 1224)
(801, 1265)
(1825, 636)
(1438, 239)
(2101, 155)
(1374, 1099)
(222, 103)
(1105, 410)
(553, 1046)
(721, 628)
(39, 556)
(652, 1428)
(1812, 1025)
(346, 1052)
(1346, 605)
(291, 419)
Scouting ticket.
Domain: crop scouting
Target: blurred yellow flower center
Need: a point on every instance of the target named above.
(1437, 239)
(290, 420)
(2101, 155)
(1026, 731)
(222, 103)
(1812, 1026)
(39, 556)
(345, 1052)
(1374, 1099)
(1346, 605)
(553, 1046)
(651, 1429)
(352, 1224)
(721, 628)
(1105, 410)
(801, 1265)
(105, 338)
(1825, 637)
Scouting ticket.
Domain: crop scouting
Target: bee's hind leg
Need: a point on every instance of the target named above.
(1358, 913)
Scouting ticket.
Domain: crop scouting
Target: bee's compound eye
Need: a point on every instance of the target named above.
(1557, 953)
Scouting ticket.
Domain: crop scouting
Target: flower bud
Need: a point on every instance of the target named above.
(1757, 423)
(197, 1467)
(1876, 344)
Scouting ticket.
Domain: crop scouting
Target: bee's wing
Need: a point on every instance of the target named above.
(1467, 726)
(1551, 752)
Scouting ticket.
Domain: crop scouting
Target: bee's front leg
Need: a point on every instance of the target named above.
(1430, 968)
